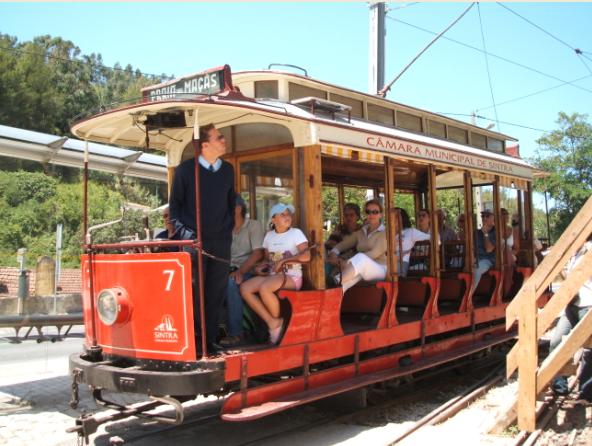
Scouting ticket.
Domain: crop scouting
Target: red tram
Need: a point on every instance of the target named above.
(290, 136)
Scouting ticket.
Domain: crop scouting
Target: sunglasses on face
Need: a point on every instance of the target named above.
(217, 138)
(422, 215)
(372, 211)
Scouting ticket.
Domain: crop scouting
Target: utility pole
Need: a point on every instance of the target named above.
(377, 35)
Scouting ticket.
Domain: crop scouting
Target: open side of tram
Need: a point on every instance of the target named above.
(297, 140)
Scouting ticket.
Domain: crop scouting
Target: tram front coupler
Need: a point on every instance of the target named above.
(87, 424)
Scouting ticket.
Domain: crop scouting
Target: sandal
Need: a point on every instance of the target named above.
(276, 333)
(231, 341)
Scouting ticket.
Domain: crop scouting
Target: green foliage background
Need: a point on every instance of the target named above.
(45, 84)
(566, 155)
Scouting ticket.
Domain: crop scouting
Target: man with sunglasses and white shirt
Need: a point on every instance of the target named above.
(217, 198)
(485, 246)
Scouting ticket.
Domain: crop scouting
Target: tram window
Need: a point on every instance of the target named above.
(358, 195)
(300, 91)
(437, 129)
(384, 115)
(269, 180)
(254, 136)
(357, 108)
(495, 145)
(478, 140)
(331, 217)
(457, 135)
(266, 89)
(409, 122)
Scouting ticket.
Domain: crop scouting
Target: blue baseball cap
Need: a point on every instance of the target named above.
(278, 208)
(240, 201)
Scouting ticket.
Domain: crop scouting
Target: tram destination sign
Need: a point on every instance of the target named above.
(204, 83)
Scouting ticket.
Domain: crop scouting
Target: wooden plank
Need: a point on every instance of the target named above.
(561, 298)
(529, 226)
(434, 237)
(573, 237)
(564, 351)
(527, 378)
(170, 178)
(391, 223)
(469, 229)
(498, 224)
(312, 211)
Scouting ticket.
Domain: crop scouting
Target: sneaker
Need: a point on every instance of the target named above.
(560, 386)
(276, 333)
(231, 341)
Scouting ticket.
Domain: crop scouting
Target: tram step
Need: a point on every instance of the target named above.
(290, 400)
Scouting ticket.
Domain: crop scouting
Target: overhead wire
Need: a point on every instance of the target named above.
(526, 67)
(487, 67)
(540, 28)
(544, 90)
(502, 122)
(383, 91)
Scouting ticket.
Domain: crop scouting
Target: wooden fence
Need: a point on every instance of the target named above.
(533, 323)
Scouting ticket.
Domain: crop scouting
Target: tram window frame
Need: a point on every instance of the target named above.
(259, 135)
(262, 211)
(478, 140)
(458, 135)
(495, 145)
(267, 89)
(381, 115)
(404, 119)
(297, 91)
(437, 129)
(357, 106)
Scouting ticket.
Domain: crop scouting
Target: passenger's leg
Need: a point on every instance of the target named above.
(215, 284)
(268, 295)
(367, 268)
(234, 303)
(249, 291)
(483, 266)
(564, 325)
(585, 375)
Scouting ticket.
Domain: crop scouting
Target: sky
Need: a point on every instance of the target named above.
(331, 40)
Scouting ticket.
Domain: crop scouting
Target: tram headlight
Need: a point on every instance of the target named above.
(113, 306)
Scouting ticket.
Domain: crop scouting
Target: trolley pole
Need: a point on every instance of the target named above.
(377, 35)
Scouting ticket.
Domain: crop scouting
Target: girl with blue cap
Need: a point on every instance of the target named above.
(285, 249)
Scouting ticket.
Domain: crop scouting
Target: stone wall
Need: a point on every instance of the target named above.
(70, 282)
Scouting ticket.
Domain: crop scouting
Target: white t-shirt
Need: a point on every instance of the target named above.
(284, 245)
(410, 236)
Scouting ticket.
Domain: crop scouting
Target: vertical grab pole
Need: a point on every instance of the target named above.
(198, 244)
(86, 243)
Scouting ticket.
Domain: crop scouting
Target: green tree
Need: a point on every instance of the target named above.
(566, 155)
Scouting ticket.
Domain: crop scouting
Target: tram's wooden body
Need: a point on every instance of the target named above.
(291, 135)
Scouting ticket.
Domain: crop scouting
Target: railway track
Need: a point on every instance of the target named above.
(465, 375)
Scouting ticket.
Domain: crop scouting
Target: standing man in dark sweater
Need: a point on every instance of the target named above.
(217, 220)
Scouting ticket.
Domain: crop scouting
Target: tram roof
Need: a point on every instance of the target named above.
(241, 76)
(123, 127)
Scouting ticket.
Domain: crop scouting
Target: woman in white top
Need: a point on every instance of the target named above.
(510, 250)
(410, 235)
(283, 246)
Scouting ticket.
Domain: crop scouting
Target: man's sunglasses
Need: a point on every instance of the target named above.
(372, 211)
(218, 138)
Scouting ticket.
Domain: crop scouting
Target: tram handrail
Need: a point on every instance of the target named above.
(532, 378)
